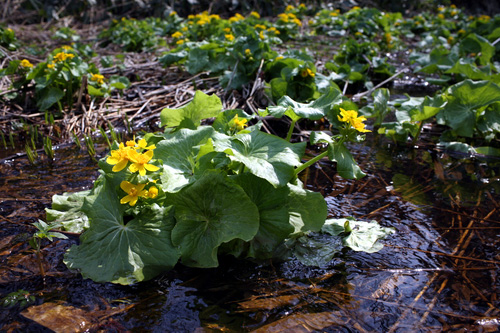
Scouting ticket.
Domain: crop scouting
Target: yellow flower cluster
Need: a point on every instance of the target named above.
(131, 152)
(260, 26)
(273, 30)
(26, 63)
(350, 117)
(203, 18)
(177, 34)
(289, 17)
(62, 56)
(237, 17)
(229, 37)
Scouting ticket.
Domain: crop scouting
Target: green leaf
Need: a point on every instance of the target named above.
(93, 91)
(464, 101)
(346, 165)
(428, 108)
(211, 211)
(66, 211)
(468, 69)
(49, 97)
(308, 209)
(179, 152)
(364, 236)
(202, 106)
(265, 155)
(274, 226)
(479, 45)
(112, 251)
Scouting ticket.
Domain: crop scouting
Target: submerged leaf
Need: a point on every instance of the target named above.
(364, 236)
(66, 211)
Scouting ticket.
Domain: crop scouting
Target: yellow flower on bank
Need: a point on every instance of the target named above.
(180, 42)
(255, 14)
(239, 124)
(289, 8)
(306, 72)
(351, 118)
(279, 57)
(260, 26)
(67, 47)
(248, 52)
(177, 34)
(97, 78)
(51, 65)
(119, 158)
(62, 56)
(297, 22)
(26, 63)
(227, 30)
(274, 30)
(229, 37)
(173, 13)
(261, 35)
(133, 192)
(140, 162)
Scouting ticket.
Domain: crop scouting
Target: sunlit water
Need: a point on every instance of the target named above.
(437, 272)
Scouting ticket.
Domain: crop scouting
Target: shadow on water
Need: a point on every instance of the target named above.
(437, 272)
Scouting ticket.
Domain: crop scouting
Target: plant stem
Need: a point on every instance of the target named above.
(290, 130)
(310, 162)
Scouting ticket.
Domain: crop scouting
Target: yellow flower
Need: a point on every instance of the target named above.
(261, 35)
(283, 17)
(173, 13)
(237, 17)
(51, 65)
(461, 32)
(66, 47)
(297, 22)
(119, 158)
(227, 30)
(289, 8)
(388, 38)
(306, 72)
(133, 192)
(450, 39)
(248, 52)
(255, 14)
(180, 42)
(152, 192)
(239, 124)
(302, 6)
(184, 29)
(441, 16)
(140, 162)
(260, 26)
(97, 78)
(62, 56)
(334, 14)
(26, 63)
(358, 34)
(351, 118)
(229, 37)
(279, 57)
(177, 34)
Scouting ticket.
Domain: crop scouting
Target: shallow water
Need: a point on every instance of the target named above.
(437, 272)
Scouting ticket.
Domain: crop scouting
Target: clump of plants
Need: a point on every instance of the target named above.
(57, 81)
(196, 192)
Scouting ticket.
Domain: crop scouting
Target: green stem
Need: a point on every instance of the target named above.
(290, 130)
(310, 162)
(418, 133)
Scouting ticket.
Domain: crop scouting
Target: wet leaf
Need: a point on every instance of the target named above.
(66, 211)
(270, 303)
(304, 322)
(307, 209)
(346, 165)
(60, 318)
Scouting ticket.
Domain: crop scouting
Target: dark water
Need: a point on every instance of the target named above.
(437, 272)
